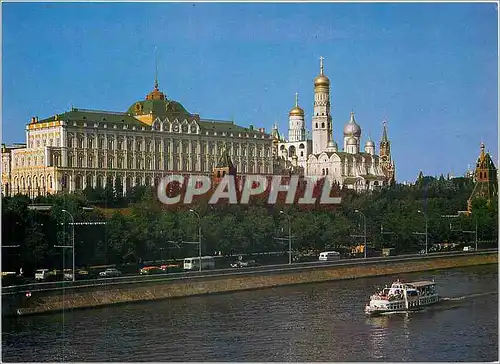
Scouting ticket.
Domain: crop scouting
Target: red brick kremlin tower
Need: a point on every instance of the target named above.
(485, 176)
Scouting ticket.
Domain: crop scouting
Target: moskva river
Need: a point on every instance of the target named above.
(316, 322)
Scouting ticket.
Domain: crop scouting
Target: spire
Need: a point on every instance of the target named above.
(384, 133)
(482, 156)
(296, 99)
(321, 65)
(351, 120)
(156, 70)
(156, 94)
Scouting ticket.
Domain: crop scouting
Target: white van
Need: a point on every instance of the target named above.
(327, 256)
(41, 274)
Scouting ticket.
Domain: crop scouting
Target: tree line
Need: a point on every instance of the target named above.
(139, 228)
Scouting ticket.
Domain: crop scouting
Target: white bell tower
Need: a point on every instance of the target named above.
(322, 128)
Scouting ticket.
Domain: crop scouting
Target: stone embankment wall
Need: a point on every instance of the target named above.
(98, 296)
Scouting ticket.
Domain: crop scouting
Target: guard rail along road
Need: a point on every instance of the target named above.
(53, 297)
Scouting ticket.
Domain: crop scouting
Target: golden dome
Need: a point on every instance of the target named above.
(321, 80)
(296, 111)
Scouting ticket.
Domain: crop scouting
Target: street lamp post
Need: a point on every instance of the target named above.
(289, 237)
(426, 231)
(199, 234)
(364, 234)
(72, 241)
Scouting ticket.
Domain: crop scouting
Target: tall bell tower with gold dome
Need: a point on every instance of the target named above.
(322, 128)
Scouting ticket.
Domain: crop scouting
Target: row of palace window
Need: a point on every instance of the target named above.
(30, 183)
(28, 161)
(100, 180)
(33, 184)
(143, 164)
(121, 163)
(56, 142)
(38, 160)
(156, 147)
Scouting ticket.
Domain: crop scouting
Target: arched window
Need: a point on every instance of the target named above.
(64, 181)
(100, 182)
(78, 182)
(118, 181)
(88, 181)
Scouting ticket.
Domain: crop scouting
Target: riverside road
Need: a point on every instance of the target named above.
(215, 273)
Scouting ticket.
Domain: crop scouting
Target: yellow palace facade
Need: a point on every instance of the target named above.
(153, 138)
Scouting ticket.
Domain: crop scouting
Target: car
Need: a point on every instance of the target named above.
(68, 274)
(468, 249)
(241, 264)
(151, 270)
(110, 272)
(82, 274)
(170, 266)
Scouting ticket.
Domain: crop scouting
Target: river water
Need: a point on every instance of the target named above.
(315, 322)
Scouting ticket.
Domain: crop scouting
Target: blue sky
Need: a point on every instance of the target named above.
(431, 69)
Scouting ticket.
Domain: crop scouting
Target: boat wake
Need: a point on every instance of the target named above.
(469, 296)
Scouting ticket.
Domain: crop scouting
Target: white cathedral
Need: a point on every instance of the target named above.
(320, 157)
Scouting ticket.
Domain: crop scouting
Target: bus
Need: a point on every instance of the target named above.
(326, 256)
(194, 263)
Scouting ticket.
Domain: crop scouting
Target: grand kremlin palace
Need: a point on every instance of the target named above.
(154, 137)
(157, 136)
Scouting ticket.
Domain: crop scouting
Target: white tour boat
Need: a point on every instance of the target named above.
(403, 297)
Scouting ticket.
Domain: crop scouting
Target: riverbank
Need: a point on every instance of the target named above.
(95, 296)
